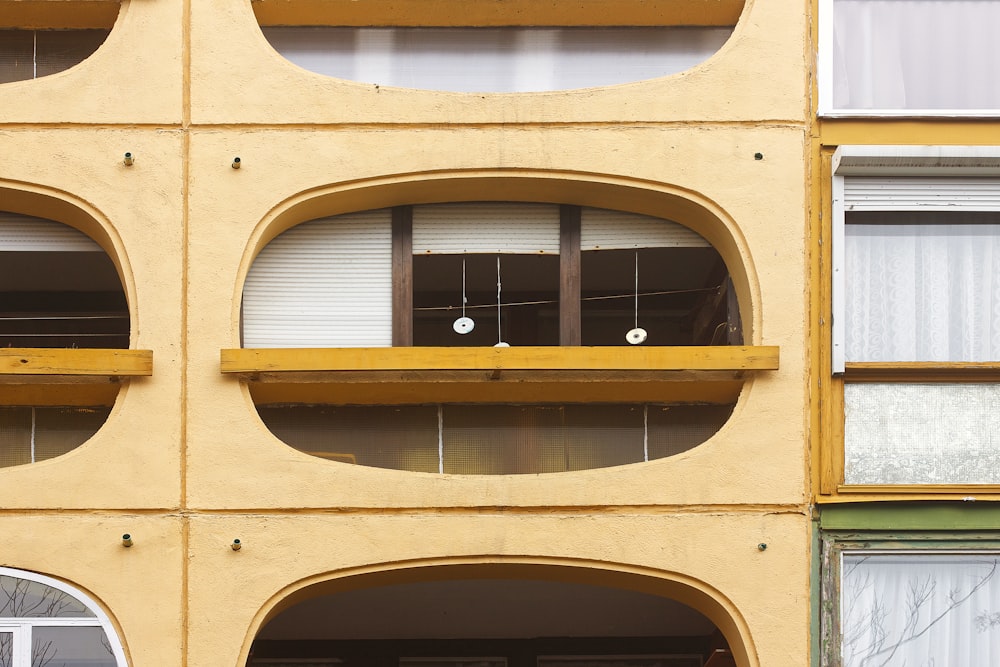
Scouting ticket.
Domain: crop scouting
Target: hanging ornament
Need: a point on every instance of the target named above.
(500, 342)
(463, 325)
(637, 335)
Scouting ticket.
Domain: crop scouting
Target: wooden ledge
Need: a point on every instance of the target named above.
(543, 359)
(17, 362)
(489, 13)
(409, 375)
(922, 371)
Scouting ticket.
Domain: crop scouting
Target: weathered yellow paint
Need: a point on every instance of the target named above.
(510, 358)
(494, 13)
(184, 463)
(48, 361)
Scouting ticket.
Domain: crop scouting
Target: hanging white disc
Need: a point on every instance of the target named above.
(502, 344)
(636, 336)
(463, 325)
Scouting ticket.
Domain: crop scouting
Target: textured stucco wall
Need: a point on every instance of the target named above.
(185, 465)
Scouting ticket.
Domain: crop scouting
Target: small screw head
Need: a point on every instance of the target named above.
(758, 156)
(762, 546)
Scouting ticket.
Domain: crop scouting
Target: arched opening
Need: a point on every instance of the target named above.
(44, 621)
(488, 47)
(65, 326)
(556, 272)
(499, 615)
(37, 40)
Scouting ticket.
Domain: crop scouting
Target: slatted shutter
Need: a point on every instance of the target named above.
(921, 193)
(324, 283)
(489, 227)
(24, 233)
(601, 229)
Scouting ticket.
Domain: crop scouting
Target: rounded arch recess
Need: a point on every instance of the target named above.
(689, 591)
(59, 206)
(651, 198)
(68, 610)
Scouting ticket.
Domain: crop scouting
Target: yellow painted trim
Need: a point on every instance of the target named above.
(877, 131)
(708, 358)
(74, 362)
(42, 14)
(853, 494)
(494, 13)
(87, 391)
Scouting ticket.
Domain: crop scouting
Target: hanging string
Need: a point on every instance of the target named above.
(636, 325)
(499, 334)
(463, 287)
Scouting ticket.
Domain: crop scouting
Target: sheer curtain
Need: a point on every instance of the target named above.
(498, 60)
(916, 54)
(920, 609)
(922, 292)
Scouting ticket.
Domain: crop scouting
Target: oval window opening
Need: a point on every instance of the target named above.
(515, 59)
(58, 289)
(463, 622)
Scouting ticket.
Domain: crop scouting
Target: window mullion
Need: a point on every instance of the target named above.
(569, 276)
(402, 276)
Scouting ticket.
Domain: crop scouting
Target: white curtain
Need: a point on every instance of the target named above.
(920, 610)
(497, 60)
(916, 54)
(922, 292)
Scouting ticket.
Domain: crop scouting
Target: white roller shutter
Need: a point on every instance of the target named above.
(24, 233)
(601, 229)
(489, 227)
(324, 283)
(921, 193)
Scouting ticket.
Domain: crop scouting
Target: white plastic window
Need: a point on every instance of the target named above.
(909, 57)
(46, 622)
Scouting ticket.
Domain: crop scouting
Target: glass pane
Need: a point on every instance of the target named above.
(920, 609)
(15, 436)
(921, 433)
(16, 55)
(513, 439)
(675, 286)
(59, 50)
(498, 60)
(399, 437)
(21, 598)
(529, 294)
(59, 430)
(677, 428)
(6, 649)
(922, 292)
(915, 54)
(70, 647)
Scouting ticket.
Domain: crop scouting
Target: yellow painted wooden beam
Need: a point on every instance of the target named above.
(965, 132)
(485, 13)
(64, 14)
(72, 362)
(718, 390)
(697, 358)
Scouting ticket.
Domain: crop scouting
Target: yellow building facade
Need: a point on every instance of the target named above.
(186, 144)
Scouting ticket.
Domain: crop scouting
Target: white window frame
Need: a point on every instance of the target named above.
(22, 627)
(824, 69)
(874, 160)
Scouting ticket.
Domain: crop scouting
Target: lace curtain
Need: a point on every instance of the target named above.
(916, 54)
(920, 610)
(922, 292)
